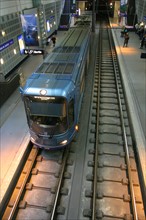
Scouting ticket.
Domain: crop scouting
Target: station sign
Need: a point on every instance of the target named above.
(33, 52)
(6, 44)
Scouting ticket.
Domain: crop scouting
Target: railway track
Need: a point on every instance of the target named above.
(97, 177)
(115, 190)
(37, 191)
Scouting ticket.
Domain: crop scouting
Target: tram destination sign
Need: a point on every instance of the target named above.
(33, 52)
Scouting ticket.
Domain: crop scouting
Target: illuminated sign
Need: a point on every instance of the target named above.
(44, 98)
(33, 52)
(21, 43)
(123, 8)
(30, 30)
(48, 26)
(7, 44)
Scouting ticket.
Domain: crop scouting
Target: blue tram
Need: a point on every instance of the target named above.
(53, 94)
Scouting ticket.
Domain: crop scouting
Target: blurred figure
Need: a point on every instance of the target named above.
(126, 39)
(143, 41)
(123, 31)
(53, 40)
(119, 16)
(48, 41)
(140, 32)
(136, 27)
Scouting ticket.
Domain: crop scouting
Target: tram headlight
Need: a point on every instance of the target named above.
(33, 139)
(76, 127)
(63, 142)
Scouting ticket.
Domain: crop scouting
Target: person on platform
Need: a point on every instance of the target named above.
(53, 40)
(123, 31)
(143, 41)
(119, 16)
(126, 40)
(48, 41)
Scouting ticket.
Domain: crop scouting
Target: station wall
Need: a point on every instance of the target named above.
(11, 28)
(141, 10)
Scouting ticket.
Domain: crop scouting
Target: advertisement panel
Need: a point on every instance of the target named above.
(30, 31)
(21, 43)
(123, 8)
(48, 26)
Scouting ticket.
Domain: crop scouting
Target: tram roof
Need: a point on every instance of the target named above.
(61, 61)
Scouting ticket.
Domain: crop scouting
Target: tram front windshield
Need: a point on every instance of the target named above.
(47, 112)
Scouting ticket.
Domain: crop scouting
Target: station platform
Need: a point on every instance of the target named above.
(14, 130)
(133, 69)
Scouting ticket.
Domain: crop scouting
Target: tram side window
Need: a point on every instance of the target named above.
(71, 112)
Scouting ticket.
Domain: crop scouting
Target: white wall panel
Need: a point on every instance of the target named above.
(11, 6)
(140, 9)
(44, 2)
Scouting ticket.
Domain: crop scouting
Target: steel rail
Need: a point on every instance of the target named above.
(135, 215)
(65, 156)
(97, 134)
(18, 197)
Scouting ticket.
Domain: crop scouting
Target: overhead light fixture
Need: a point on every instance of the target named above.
(3, 33)
(15, 52)
(2, 61)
